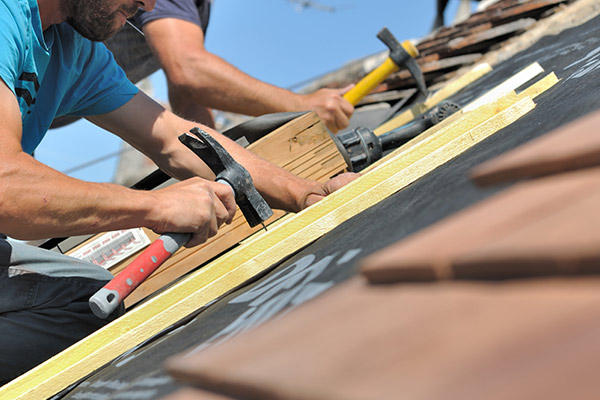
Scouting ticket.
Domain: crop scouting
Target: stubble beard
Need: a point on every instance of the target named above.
(93, 19)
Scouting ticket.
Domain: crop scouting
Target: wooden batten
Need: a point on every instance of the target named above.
(450, 89)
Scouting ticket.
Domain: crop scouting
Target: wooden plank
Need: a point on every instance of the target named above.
(438, 40)
(509, 85)
(574, 146)
(480, 41)
(501, 13)
(450, 89)
(465, 120)
(303, 142)
(538, 248)
(256, 255)
(468, 121)
(532, 8)
(490, 34)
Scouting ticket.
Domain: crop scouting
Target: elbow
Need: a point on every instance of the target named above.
(188, 74)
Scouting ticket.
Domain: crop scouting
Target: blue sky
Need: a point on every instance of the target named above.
(273, 40)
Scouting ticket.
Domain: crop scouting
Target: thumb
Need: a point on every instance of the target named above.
(226, 195)
(345, 89)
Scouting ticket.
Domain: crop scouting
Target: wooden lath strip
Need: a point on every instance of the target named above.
(462, 120)
(509, 85)
(254, 256)
(439, 96)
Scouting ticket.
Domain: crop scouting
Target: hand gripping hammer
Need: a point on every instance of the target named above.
(401, 55)
(227, 171)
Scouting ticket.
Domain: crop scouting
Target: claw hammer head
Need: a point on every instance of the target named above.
(228, 171)
(401, 56)
(404, 55)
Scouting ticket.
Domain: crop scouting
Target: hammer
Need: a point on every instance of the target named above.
(361, 147)
(255, 209)
(401, 55)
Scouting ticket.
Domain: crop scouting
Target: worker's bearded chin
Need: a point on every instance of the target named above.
(93, 19)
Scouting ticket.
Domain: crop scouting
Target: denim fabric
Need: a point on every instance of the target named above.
(40, 315)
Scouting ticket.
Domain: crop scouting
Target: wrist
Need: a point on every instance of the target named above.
(150, 210)
(295, 102)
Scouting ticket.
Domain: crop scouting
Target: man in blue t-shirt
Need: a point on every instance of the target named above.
(54, 64)
(199, 80)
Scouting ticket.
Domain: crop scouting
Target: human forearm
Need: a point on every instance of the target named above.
(198, 76)
(39, 202)
(211, 81)
(280, 188)
(154, 131)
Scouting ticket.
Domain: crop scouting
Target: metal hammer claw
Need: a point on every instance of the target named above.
(401, 55)
(228, 171)
(256, 210)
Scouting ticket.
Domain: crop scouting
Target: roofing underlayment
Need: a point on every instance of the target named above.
(463, 265)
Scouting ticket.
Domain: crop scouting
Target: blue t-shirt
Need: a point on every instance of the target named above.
(55, 72)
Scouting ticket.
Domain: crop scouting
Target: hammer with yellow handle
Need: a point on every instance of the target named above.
(401, 55)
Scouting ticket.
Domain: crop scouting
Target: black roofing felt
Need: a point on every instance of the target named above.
(574, 56)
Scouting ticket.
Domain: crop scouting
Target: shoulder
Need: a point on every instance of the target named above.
(78, 50)
(15, 37)
(19, 9)
(15, 17)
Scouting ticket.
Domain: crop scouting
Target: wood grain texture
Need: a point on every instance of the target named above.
(448, 90)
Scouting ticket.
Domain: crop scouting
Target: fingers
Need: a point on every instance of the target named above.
(206, 231)
(226, 206)
(196, 206)
(222, 211)
(333, 109)
(321, 191)
(340, 181)
(339, 119)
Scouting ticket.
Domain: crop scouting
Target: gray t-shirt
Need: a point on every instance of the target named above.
(129, 46)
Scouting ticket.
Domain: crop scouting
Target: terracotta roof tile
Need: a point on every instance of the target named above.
(574, 146)
(509, 235)
(454, 341)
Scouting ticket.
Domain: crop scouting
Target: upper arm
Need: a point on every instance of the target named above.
(11, 126)
(150, 128)
(12, 44)
(144, 124)
(176, 44)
